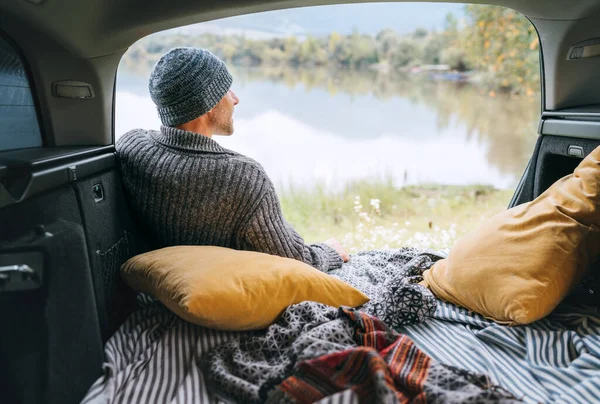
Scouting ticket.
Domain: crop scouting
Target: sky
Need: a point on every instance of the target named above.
(368, 18)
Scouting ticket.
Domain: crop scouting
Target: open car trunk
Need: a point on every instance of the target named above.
(66, 227)
(64, 216)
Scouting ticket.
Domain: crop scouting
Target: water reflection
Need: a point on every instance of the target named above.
(317, 125)
(506, 125)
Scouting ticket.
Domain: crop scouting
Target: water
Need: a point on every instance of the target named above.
(315, 126)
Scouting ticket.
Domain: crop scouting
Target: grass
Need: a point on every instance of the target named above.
(366, 215)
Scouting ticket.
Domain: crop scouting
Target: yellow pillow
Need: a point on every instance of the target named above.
(228, 289)
(519, 265)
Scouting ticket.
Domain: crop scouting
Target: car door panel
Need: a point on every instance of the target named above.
(78, 221)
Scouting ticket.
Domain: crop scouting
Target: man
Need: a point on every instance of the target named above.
(187, 189)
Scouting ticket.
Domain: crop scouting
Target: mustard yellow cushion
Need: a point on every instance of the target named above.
(228, 289)
(519, 265)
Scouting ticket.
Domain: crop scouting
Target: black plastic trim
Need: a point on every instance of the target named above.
(519, 190)
(40, 157)
(571, 114)
(542, 69)
(571, 128)
(39, 181)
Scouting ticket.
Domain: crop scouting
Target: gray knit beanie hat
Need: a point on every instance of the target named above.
(187, 83)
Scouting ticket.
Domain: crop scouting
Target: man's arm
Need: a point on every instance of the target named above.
(268, 232)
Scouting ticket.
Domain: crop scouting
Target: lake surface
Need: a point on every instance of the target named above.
(315, 126)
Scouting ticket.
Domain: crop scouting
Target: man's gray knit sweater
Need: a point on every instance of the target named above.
(187, 190)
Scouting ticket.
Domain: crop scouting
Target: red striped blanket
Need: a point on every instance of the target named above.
(385, 367)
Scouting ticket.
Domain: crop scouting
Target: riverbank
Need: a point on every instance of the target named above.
(375, 214)
(499, 45)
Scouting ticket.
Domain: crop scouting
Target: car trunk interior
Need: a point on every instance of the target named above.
(63, 211)
(51, 345)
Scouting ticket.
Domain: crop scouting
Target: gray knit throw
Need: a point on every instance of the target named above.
(186, 83)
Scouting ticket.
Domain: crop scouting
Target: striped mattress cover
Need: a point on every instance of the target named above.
(154, 356)
(555, 360)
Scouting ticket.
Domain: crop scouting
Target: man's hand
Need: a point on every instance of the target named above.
(333, 243)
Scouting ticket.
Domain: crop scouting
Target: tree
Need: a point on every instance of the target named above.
(420, 33)
(334, 41)
(228, 51)
(504, 45)
(362, 50)
(498, 44)
(433, 49)
(406, 53)
(388, 41)
(290, 49)
(308, 50)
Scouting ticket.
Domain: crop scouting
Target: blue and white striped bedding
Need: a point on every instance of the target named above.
(555, 360)
(154, 356)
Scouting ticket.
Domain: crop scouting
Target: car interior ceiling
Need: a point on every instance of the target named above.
(62, 208)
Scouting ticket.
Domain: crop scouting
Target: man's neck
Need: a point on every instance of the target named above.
(197, 126)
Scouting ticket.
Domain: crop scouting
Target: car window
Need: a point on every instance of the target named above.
(382, 125)
(18, 119)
